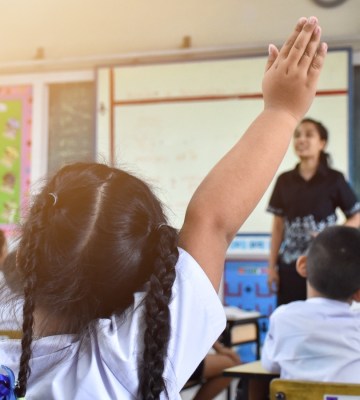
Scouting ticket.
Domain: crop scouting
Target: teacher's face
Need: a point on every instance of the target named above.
(307, 141)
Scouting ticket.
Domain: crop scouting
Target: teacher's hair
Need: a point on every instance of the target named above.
(325, 157)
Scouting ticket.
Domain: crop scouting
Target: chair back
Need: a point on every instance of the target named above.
(281, 389)
(4, 334)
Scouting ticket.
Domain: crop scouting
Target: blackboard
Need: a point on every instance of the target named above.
(71, 123)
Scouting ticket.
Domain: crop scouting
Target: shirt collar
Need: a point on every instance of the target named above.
(334, 303)
(322, 170)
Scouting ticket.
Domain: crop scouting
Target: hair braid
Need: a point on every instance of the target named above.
(157, 314)
(28, 320)
(27, 267)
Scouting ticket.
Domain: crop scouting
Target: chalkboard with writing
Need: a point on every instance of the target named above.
(71, 123)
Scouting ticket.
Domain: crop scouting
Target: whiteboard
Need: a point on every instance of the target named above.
(172, 122)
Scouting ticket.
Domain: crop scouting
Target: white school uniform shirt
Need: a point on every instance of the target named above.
(317, 340)
(105, 366)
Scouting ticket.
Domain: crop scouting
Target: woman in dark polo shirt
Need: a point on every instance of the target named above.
(304, 202)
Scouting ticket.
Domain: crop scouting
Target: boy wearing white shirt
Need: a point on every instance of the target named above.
(319, 339)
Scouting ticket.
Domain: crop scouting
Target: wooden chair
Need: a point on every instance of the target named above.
(10, 334)
(281, 389)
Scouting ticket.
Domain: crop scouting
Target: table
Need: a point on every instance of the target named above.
(251, 374)
(242, 329)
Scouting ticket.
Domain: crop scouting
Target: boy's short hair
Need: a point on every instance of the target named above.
(333, 262)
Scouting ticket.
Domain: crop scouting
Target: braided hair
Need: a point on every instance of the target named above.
(2, 240)
(157, 314)
(93, 237)
(3, 247)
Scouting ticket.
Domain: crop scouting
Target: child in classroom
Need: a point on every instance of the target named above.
(117, 303)
(318, 339)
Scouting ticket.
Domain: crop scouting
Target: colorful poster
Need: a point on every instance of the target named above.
(15, 153)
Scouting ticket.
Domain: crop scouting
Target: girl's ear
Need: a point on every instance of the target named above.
(301, 266)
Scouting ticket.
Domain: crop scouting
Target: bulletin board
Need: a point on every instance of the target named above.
(71, 123)
(15, 152)
(170, 123)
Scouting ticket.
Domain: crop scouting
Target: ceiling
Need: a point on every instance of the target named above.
(52, 34)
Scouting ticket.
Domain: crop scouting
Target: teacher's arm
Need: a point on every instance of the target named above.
(277, 234)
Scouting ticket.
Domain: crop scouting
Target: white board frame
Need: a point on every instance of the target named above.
(170, 123)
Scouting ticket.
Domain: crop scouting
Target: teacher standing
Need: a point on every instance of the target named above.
(304, 202)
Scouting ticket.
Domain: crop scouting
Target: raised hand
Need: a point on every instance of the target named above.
(233, 187)
(291, 75)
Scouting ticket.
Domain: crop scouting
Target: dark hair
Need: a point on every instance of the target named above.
(93, 237)
(333, 262)
(2, 241)
(325, 157)
(10, 273)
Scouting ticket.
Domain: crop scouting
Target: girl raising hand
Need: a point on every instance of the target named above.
(117, 303)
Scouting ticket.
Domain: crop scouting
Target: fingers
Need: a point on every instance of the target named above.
(285, 50)
(295, 69)
(273, 54)
(310, 35)
(311, 48)
(317, 62)
(273, 285)
(236, 359)
(301, 46)
(304, 49)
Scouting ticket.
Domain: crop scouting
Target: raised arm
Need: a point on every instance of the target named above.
(234, 186)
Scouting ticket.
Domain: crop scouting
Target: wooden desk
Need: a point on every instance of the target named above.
(251, 373)
(241, 330)
(242, 327)
(252, 370)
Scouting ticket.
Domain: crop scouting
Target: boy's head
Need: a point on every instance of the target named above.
(332, 264)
